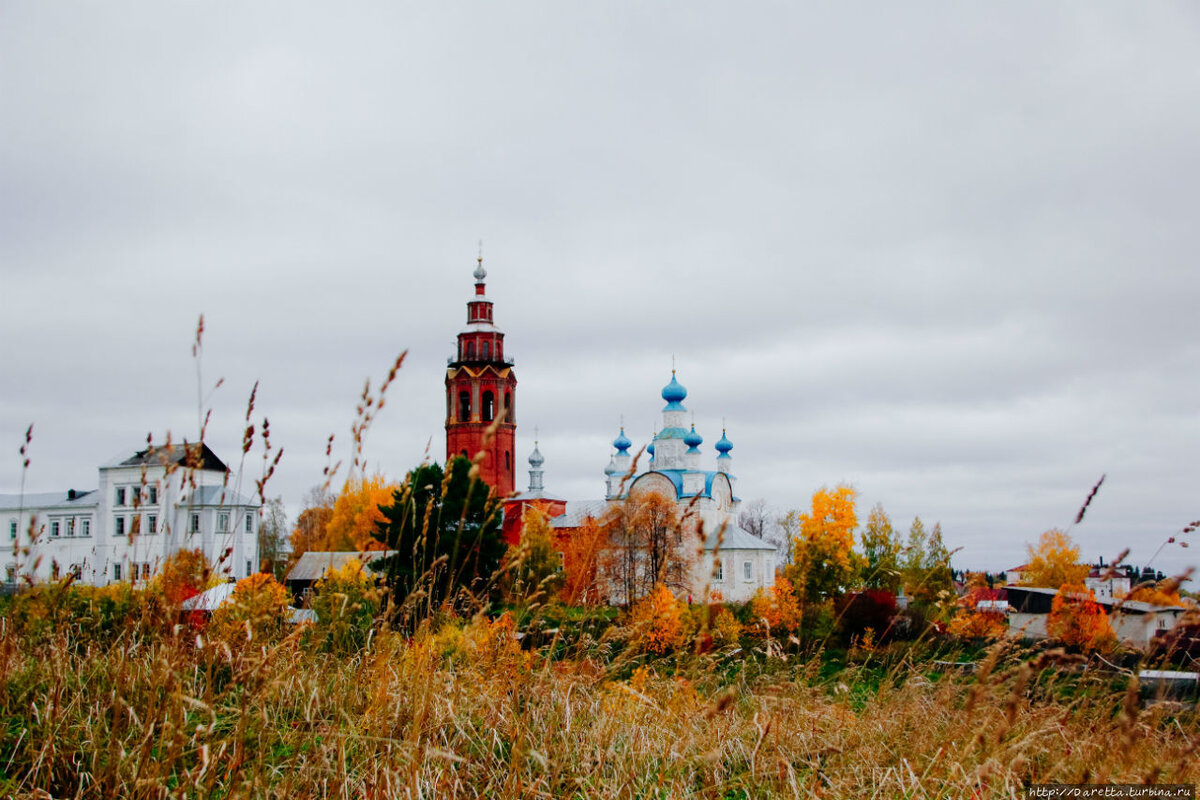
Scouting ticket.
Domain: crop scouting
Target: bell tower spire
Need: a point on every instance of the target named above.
(481, 390)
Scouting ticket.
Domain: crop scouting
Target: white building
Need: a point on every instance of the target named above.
(148, 505)
(732, 562)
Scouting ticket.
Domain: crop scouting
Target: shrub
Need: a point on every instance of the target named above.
(258, 608)
(657, 621)
(870, 608)
(346, 603)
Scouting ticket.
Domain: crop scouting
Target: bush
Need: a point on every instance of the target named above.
(657, 620)
(870, 608)
(346, 603)
(257, 608)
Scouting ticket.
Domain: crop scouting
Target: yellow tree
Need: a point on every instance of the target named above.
(658, 620)
(532, 571)
(258, 607)
(824, 563)
(354, 523)
(779, 607)
(1054, 561)
(581, 559)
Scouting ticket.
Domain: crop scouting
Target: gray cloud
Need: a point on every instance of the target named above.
(942, 253)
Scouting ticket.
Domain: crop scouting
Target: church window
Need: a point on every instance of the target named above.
(464, 454)
(748, 570)
(489, 406)
(464, 406)
(487, 351)
(470, 351)
(508, 409)
(507, 460)
(719, 570)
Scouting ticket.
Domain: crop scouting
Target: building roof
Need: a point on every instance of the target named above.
(735, 538)
(1110, 603)
(210, 599)
(201, 457)
(313, 565)
(579, 510)
(34, 500)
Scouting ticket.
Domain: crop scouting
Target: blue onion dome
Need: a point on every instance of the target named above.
(674, 392)
(611, 469)
(535, 458)
(723, 444)
(693, 439)
(650, 448)
(622, 442)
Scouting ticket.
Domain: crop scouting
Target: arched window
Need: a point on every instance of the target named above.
(487, 351)
(489, 406)
(464, 454)
(507, 460)
(470, 351)
(464, 406)
(509, 417)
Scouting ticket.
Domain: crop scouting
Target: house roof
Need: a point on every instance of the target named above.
(35, 500)
(735, 538)
(579, 510)
(1110, 603)
(313, 565)
(210, 599)
(201, 457)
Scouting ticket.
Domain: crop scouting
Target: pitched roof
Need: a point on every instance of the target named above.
(1109, 603)
(735, 538)
(35, 500)
(197, 455)
(313, 565)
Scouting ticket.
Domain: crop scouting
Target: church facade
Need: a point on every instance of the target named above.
(481, 418)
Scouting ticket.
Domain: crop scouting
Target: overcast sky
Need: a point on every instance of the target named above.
(945, 253)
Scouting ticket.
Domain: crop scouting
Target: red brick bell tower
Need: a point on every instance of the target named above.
(480, 391)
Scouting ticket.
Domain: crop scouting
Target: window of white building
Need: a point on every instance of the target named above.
(153, 495)
(120, 499)
(719, 570)
(116, 572)
(151, 523)
(10, 573)
(118, 527)
(71, 526)
(195, 526)
(748, 570)
(87, 528)
(249, 523)
(223, 522)
(54, 529)
(249, 571)
(12, 529)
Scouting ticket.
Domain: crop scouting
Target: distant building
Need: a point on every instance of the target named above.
(148, 505)
(1132, 621)
(312, 567)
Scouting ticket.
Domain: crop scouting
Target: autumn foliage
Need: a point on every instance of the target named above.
(778, 607)
(257, 608)
(824, 561)
(1077, 619)
(1054, 561)
(658, 620)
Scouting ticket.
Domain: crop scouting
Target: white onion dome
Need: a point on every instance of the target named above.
(480, 273)
(611, 469)
(535, 458)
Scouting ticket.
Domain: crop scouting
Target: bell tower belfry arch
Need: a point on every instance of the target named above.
(481, 393)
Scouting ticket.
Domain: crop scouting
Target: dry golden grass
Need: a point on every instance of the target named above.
(467, 713)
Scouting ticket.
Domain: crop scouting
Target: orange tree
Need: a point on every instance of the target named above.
(581, 560)
(779, 607)
(346, 602)
(1076, 619)
(647, 543)
(657, 620)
